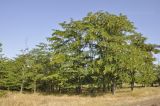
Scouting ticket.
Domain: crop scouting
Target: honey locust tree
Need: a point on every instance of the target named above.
(99, 49)
(68, 53)
(144, 60)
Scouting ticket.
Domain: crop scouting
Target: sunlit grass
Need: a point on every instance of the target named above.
(123, 97)
(2, 93)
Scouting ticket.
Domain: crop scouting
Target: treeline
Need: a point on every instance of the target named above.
(98, 53)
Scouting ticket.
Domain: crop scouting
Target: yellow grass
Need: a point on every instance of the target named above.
(123, 97)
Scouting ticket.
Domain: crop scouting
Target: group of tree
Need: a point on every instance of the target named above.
(99, 53)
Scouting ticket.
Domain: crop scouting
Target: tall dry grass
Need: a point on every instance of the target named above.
(123, 97)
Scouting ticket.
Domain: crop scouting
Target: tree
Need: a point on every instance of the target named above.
(39, 62)
(2, 72)
(23, 64)
(157, 70)
(145, 59)
(11, 81)
(102, 36)
(2, 69)
(68, 53)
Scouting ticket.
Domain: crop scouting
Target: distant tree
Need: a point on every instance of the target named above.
(145, 59)
(8, 78)
(2, 68)
(39, 62)
(11, 81)
(23, 63)
(157, 70)
(2, 72)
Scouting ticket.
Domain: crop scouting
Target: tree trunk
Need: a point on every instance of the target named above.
(49, 87)
(35, 86)
(22, 84)
(59, 89)
(132, 80)
(132, 84)
(152, 84)
(53, 88)
(108, 87)
(104, 87)
(8, 88)
(79, 87)
(113, 86)
(104, 84)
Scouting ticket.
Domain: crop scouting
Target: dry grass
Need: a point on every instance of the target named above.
(124, 97)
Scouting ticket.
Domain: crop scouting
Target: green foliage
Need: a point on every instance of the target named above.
(99, 52)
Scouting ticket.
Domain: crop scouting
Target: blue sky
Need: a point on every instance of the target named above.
(33, 20)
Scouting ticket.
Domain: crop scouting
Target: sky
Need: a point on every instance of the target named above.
(29, 22)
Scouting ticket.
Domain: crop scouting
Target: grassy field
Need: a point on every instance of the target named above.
(124, 97)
